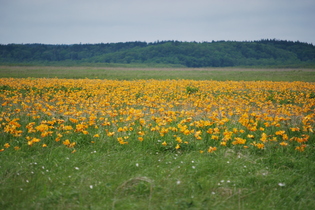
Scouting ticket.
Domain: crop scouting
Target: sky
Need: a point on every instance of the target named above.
(112, 21)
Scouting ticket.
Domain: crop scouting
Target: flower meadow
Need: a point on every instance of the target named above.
(157, 115)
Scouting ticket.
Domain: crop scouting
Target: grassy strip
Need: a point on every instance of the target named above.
(118, 73)
(122, 177)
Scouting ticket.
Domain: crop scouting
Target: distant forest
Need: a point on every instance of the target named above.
(266, 52)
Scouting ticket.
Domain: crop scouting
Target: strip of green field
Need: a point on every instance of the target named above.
(118, 73)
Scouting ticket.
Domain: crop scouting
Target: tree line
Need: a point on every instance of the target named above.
(264, 52)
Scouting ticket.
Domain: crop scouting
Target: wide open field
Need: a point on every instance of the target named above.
(220, 74)
(155, 144)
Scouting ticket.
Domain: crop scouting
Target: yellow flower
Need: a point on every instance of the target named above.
(223, 143)
(68, 128)
(239, 141)
(263, 137)
(178, 139)
(186, 132)
(212, 149)
(42, 127)
(215, 137)
(110, 133)
(141, 133)
(73, 120)
(177, 146)
(164, 143)
(280, 133)
(72, 145)
(285, 137)
(301, 148)
(260, 146)
(44, 145)
(6, 145)
(35, 140)
(66, 142)
(121, 140)
(96, 136)
(295, 129)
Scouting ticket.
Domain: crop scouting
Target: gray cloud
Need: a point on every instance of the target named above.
(95, 21)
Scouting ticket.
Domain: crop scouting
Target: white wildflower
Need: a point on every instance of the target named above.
(281, 184)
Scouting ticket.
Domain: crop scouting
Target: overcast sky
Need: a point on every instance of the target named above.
(107, 21)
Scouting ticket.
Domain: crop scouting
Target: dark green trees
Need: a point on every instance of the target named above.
(191, 54)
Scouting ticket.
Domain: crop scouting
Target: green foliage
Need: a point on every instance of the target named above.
(312, 95)
(116, 177)
(191, 90)
(190, 54)
(132, 73)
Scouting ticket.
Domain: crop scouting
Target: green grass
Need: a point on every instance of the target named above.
(120, 73)
(121, 177)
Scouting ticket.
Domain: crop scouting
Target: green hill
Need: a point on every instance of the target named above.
(190, 54)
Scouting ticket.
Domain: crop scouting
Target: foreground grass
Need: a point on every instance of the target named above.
(101, 177)
(219, 74)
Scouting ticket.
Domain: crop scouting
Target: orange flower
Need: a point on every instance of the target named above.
(280, 133)
(110, 133)
(263, 137)
(212, 149)
(239, 141)
(260, 146)
(66, 142)
(301, 148)
(295, 129)
(215, 137)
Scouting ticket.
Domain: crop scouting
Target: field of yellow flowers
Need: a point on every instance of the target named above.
(168, 115)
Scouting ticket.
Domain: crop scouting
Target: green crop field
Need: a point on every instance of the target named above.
(158, 138)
